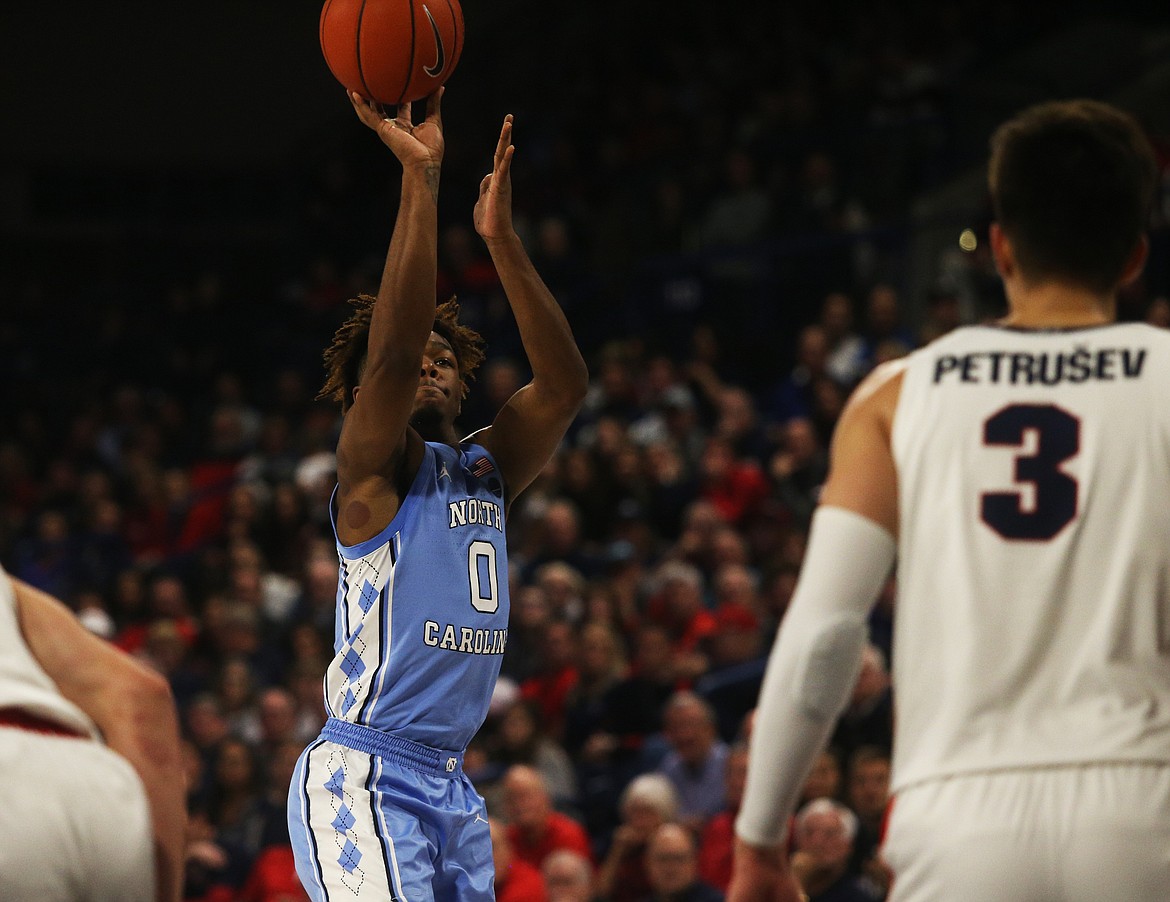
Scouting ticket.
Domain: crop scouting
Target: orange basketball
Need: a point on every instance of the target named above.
(392, 51)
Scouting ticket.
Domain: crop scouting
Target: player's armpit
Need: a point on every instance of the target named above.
(526, 433)
(862, 474)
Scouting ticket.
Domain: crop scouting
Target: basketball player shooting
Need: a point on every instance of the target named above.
(1022, 472)
(379, 807)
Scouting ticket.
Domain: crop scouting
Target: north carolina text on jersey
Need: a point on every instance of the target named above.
(473, 511)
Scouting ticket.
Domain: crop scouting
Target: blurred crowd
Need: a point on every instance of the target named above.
(651, 564)
(165, 467)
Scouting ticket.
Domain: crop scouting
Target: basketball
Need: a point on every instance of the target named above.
(392, 51)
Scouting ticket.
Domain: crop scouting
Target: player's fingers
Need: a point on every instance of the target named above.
(403, 116)
(434, 107)
(505, 138)
(362, 107)
(505, 164)
(485, 184)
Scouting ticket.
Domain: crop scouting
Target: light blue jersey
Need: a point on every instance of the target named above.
(379, 806)
(422, 607)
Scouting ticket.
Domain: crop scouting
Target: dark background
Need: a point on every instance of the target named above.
(157, 149)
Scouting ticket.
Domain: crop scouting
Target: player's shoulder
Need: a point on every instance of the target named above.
(878, 392)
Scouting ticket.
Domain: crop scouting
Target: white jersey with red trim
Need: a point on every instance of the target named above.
(23, 682)
(1033, 610)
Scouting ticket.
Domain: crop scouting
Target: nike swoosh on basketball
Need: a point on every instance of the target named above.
(440, 52)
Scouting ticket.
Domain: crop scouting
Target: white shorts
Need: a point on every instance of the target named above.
(1060, 834)
(74, 821)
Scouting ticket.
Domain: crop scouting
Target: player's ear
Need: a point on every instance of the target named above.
(1001, 252)
(1136, 262)
(354, 394)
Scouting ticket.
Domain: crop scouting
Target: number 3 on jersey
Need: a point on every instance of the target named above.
(1058, 438)
(481, 571)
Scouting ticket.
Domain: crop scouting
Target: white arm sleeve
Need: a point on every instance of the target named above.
(813, 665)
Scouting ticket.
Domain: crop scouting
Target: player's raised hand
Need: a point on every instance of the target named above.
(420, 144)
(493, 210)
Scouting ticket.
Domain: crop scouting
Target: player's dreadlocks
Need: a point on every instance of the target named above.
(345, 358)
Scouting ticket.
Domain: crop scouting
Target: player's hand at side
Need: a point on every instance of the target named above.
(493, 210)
(761, 875)
(418, 144)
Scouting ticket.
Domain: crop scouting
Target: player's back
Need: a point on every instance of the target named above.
(1033, 620)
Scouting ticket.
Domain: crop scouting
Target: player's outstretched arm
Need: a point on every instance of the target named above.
(814, 664)
(132, 706)
(530, 425)
(373, 436)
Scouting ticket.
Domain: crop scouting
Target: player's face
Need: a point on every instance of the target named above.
(439, 388)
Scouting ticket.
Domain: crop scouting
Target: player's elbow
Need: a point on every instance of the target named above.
(149, 705)
(575, 384)
(575, 396)
(153, 691)
(154, 695)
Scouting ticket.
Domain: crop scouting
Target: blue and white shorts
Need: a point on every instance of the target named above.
(374, 816)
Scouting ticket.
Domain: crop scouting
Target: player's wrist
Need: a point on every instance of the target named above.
(421, 178)
(424, 169)
(502, 238)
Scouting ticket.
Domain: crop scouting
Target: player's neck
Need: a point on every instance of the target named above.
(1055, 305)
(433, 428)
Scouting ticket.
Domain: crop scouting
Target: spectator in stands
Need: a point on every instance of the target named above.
(549, 687)
(521, 740)
(868, 719)
(530, 618)
(824, 780)
(559, 539)
(672, 865)
(794, 395)
(277, 721)
(799, 468)
(516, 879)
(717, 840)
(647, 803)
(696, 760)
(568, 877)
(534, 828)
(824, 834)
(738, 423)
(678, 604)
(736, 486)
(846, 350)
(944, 312)
(868, 794)
(601, 666)
(738, 657)
(235, 807)
(886, 335)
(564, 588)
